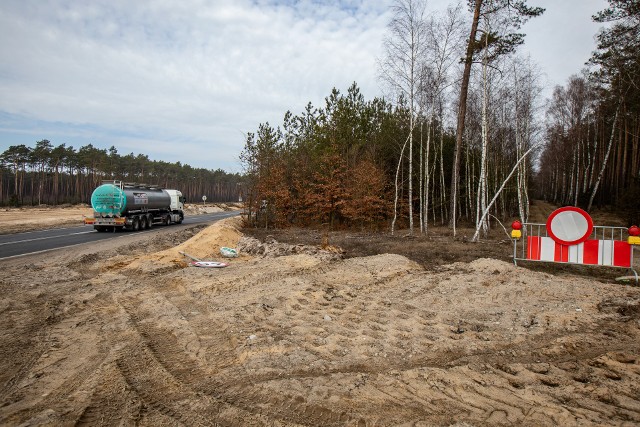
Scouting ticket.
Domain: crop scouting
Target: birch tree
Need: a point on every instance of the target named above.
(404, 50)
(606, 159)
(445, 40)
(481, 195)
(526, 92)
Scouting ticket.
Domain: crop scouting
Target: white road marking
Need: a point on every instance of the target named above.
(40, 252)
(45, 238)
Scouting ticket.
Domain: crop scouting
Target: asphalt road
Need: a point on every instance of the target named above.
(15, 245)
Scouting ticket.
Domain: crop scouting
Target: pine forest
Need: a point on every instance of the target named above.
(53, 175)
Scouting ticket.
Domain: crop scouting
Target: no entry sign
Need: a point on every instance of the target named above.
(569, 225)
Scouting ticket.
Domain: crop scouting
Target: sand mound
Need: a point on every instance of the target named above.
(205, 245)
(272, 248)
(199, 210)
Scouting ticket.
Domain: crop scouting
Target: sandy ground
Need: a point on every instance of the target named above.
(17, 220)
(123, 333)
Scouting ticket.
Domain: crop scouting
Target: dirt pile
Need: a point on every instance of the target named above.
(204, 245)
(273, 248)
(198, 209)
(291, 336)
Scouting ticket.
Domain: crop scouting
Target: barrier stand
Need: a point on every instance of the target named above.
(569, 237)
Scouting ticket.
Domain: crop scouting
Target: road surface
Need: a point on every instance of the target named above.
(15, 245)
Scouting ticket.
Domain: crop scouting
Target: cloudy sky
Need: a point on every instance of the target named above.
(184, 80)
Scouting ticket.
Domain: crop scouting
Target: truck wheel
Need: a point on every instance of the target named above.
(149, 221)
(167, 220)
(180, 220)
(135, 224)
(99, 228)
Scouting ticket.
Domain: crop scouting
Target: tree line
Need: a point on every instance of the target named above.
(48, 174)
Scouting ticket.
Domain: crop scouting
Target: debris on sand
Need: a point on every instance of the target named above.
(271, 248)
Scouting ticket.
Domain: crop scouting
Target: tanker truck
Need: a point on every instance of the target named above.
(118, 205)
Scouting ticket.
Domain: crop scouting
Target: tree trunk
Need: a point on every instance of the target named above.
(443, 200)
(462, 111)
(604, 162)
(421, 181)
(395, 199)
(482, 181)
(427, 177)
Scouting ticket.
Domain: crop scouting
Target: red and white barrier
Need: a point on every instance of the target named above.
(569, 236)
(613, 253)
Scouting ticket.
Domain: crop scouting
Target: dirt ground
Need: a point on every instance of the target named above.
(18, 220)
(313, 328)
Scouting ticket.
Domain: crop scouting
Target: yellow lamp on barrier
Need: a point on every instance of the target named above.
(634, 235)
(516, 231)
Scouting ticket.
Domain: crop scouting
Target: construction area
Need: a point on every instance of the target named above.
(313, 329)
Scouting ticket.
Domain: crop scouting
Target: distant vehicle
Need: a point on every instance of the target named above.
(134, 206)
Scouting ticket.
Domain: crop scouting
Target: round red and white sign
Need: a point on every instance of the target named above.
(569, 225)
(209, 264)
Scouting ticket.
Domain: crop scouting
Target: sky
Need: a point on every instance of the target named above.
(185, 80)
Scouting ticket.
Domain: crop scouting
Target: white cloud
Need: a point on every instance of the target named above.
(190, 73)
(562, 39)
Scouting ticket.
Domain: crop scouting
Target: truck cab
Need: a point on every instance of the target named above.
(177, 200)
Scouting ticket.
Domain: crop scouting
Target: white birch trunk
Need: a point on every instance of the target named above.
(421, 188)
(482, 179)
(427, 179)
(592, 173)
(606, 158)
(395, 199)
